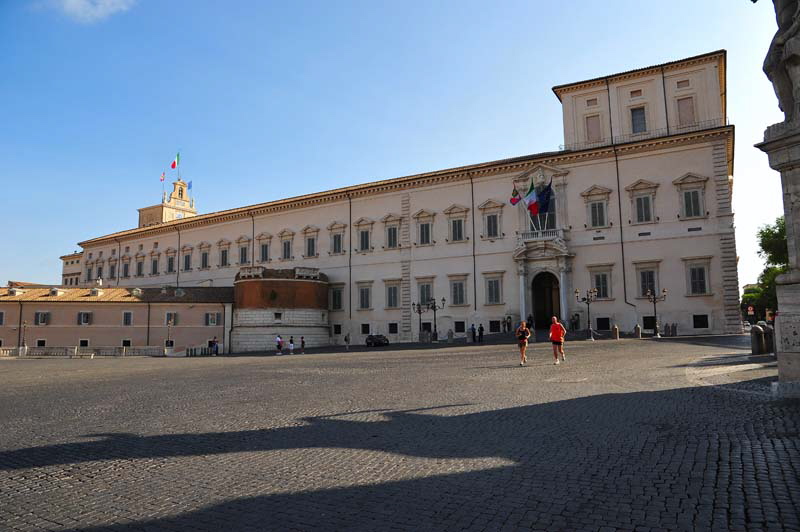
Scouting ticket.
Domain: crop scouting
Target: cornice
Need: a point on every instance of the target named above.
(505, 166)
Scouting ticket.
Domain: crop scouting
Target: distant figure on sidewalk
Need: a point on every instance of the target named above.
(291, 345)
(302, 345)
(347, 341)
(529, 321)
(472, 331)
(508, 324)
(480, 333)
(557, 332)
(279, 344)
(522, 340)
(505, 329)
(214, 346)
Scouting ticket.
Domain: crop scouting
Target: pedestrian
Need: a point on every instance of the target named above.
(508, 323)
(214, 346)
(302, 345)
(291, 345)
(557, 332)
(523, 333)
(504, 325)
(529, 321)
(480, 333)
(347, 341)
(472, 331)
(278, 344)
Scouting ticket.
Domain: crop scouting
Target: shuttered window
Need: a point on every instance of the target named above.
(686, 111)
(691, 204)
(601, 285)
(391, 237)
(492, 226)
(391, 296)
(264, 252)
(598, 213)
(363, 240)
(647, 282)
(697, 276)
(593, 128)
(337, 243)
(458, 293)
(644, 213)
(638, 120)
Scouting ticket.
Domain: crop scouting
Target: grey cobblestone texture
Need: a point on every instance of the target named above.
(629, 435)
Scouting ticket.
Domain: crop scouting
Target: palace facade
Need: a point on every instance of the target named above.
(641, 202)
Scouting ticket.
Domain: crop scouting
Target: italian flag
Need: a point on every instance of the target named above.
(531, 201)
(176, 161)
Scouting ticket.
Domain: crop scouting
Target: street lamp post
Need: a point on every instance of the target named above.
(419, 310)
(169, 330)
(24, 327)
(655, 299)
(589, 298)
(434, 307)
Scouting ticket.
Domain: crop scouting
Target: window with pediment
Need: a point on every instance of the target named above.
(492, 219)
(456, 223)
(596, 199)
(243, 247)
(263, 241)
(336, 232)
(310, 241)
(691, 190)
(643, 201)
(424, 227)
(224, 247)
(286, 237)
(391, 231)
(364, 234)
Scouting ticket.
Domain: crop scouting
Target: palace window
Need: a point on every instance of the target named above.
(601, 285)
(154, 267)
(647, 275)
(41, 318)
(243, 255)
(336, 297)
(112, 271)
(700, 321)
(597, 210)
(84, 318)
(204, 263)
(691, 188)
(126, 270)
(170, 266)
(187, 262)
(127, 318)
(424, 233)
(424, 221)
(364, 297)
(425, 291)
(264, 240)
(392, 295)
(99, 272)
(311, 246)
(213, 319)
(393, 328)
(593, 128)
(596, 198)
(456, 220)
(491, 213)
(697, 278)
(89, 273)
(139, 268)
(223, 258)
(287, 249)
(171, 318)
(638, 120)
(458, 291)
(363, 240)
(686, 111)
(336, 243)
(494, 289)
(391, 237)
(264, 255)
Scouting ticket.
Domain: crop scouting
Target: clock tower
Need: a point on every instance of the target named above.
(175, 206)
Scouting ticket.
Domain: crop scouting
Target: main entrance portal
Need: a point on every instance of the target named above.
(546, 302)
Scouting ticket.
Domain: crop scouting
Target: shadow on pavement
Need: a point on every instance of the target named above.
(657, 458)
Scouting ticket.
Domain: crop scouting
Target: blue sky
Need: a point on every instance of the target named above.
(268, 100)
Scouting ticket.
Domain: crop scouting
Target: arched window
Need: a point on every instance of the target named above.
(180, 192)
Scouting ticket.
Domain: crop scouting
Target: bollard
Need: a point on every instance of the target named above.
(769, 339)
(615, 332)
(637, 331)
(757, 343)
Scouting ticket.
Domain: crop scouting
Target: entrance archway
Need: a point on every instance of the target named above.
(546, 301)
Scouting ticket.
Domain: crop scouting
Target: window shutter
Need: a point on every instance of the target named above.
(79, 318)
(219, 319)
(88, 318)
(174, 318)
(208, 320)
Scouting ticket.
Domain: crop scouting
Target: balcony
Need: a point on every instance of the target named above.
(650, 134)
(538, 236)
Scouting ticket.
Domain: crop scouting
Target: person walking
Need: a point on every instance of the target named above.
(508, 323)
(523, 333)
(529, 320)
(472, 331)
(480, 333)
(214, 347)
(557, 332)
(278, 344)
(291, 345)
(347, 341)
(302, 345)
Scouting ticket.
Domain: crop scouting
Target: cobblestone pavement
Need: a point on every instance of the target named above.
(674, 435)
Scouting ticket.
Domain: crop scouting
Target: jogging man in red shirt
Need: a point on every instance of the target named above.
(557, 332)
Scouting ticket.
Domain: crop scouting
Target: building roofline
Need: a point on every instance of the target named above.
(721, 54)
(77, 254)
(399, 183)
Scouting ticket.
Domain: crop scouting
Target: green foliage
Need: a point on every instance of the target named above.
(775, 252)
(772, 240)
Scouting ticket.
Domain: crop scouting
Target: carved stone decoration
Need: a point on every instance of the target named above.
(782, 64)
(782, 145)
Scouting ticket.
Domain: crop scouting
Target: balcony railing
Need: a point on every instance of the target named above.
(649, 134)
(535, 236)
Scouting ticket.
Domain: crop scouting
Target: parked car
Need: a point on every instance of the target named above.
(376, 340)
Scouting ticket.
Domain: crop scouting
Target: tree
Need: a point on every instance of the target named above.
(775, 252)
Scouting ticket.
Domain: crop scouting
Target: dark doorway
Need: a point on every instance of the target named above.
(546, 302)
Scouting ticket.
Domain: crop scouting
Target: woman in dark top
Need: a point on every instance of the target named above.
(523, 333)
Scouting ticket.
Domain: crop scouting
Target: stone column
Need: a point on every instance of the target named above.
(563, 288)
(782, 145)
(522, 270)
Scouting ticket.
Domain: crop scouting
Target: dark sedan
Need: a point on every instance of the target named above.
(376, 339)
